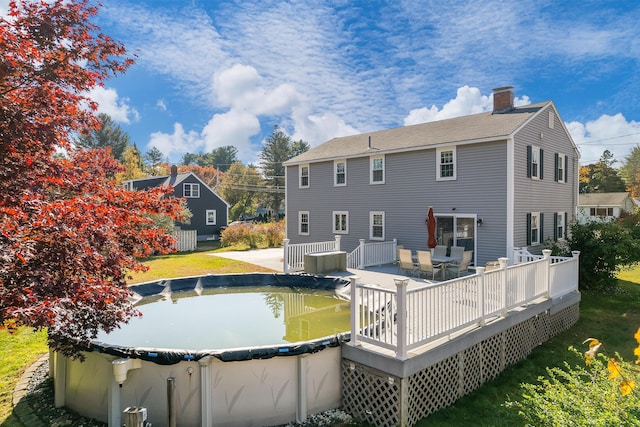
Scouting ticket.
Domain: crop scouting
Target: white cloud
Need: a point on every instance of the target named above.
(613, 133)
(468, 100)
(235, 128)
(177, 143)
(316, 129)
(161, 104)
(109, 103)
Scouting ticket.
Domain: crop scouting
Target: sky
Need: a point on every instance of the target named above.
(211, 73)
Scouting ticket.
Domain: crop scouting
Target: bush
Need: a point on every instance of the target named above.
(254, 236)
(605, 249)
(579, 395)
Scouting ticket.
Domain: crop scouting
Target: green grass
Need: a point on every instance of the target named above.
(18, 351)
(612, 319)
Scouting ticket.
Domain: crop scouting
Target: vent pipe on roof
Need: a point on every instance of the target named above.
(503, 99)
(369, 141)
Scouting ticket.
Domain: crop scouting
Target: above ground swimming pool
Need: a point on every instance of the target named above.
(194, 358)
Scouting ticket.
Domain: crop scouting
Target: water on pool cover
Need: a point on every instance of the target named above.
(225, 318)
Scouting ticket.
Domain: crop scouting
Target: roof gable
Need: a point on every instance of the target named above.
(602, 199)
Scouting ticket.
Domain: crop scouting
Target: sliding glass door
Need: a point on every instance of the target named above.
(456, 230)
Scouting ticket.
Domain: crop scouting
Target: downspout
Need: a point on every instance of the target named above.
(510, 196)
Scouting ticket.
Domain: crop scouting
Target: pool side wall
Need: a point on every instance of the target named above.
(247, 393)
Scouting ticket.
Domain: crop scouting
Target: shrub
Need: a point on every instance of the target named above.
(254, 236)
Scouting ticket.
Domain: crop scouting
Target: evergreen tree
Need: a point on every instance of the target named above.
(630, 171)
(277, 149)
(601, 177)
(109, 134)
(152, 160)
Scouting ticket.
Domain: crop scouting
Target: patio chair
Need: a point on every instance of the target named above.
(463, 266)
(440, 251)
(456, 253)
(425, 265)
(405, 262)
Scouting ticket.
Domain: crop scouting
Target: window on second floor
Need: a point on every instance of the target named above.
(561, 167)
(304, 176)
(376, 225)
(341, 222)
(534, 228)
(191, 191)
(211, 216)
(446, 164)
(535, 161)
(377, 170)
(340, 172)
(303, 223)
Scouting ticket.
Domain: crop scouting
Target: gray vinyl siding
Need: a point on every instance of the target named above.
(545, 196)
(410, 187)
(208, 200)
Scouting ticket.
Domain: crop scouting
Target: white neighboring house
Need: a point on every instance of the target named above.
(604, 206)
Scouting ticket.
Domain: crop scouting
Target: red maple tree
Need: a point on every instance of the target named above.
(68, 233)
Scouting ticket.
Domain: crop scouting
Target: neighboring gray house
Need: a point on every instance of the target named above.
(603, 206)
(210, 211)
(496, 181)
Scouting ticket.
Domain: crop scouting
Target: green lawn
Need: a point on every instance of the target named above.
(612, 319)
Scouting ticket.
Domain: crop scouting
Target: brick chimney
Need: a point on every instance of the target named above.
(174, 170)
(502, 99)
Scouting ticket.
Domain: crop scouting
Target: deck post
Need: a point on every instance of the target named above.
(401, 301)
(361, 260)
(337, 247)
(355, 311)
(576, 273)
(481, 307)
(546, 253)
(285, 267)
(505, 288)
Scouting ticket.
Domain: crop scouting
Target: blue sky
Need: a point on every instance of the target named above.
(211, 73)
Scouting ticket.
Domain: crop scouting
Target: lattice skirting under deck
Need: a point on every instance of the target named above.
(384, 400)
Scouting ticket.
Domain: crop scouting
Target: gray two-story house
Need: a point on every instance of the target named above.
(496, 181)
(210, 212)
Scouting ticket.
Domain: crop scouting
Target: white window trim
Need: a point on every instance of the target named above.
(335, 173)
(371, 170)
(191, 186)
(535, 215)
(561, 158)
(535, 153)
(439, 177)
(336, 213)
(371, 216)
(560, 221)
(215, 217)
(300, 214)
(300, 176)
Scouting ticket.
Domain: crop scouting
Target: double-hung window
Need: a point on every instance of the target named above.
(561, 167)
(341, 222)
(340, 172)
(534, 228)
(377, 170)
(191, 191)
(376, 225)
(560, 223)
(211, 217)
(303, 223)
(304, 176)
(535, 161)
(446, 164)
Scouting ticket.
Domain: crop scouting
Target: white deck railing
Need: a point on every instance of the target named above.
(294, 252)
(369, 254)
(440, 309)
